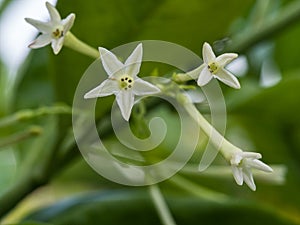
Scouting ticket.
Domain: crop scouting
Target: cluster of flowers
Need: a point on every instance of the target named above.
(123, 82)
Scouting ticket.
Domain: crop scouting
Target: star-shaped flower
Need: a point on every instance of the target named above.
(122, 80)
(53, 31)
(214, 67)
(242, 164)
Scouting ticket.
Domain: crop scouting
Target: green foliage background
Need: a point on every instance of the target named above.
(269, 117)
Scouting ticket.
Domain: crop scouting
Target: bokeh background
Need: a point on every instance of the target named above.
(45, 180)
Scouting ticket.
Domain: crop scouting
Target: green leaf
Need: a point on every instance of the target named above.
(135, 207)
(271, 119)
(30, 223)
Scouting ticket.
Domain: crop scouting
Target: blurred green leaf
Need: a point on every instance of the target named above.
(271, 118)
(29, 223)
(34, 85)
(135, 207)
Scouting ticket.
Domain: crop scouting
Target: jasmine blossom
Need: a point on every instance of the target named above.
(214, 67)
(242, 164)
(53, 31)
(122, 80)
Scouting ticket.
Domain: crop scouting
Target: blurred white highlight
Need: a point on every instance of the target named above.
(16, 34)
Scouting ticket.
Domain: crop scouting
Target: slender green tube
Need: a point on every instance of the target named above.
(161, 206)
(226, 148)
(74, 43)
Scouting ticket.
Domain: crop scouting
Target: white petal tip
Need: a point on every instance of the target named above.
(48, 4)
(102, 51)
(239, 183)
(72, 16)
(56, 50)
(88, 96)
(238, 180)
(235, 55)
(206, 44)
(31, 45)
(30, 21)
(236, 86)
(200, 84)
(268, 169)
(126, 116)
(252, 187)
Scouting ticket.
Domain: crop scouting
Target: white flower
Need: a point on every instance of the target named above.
(214, 67)
(122, 80)
(242, 164)
(53, 31)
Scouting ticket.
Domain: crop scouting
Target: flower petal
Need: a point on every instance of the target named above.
(43, 27)
(110, 62)
(195, 73)
(41, 41)
(237, 174)
(257, 164)
(125, 100)
(133, 62)
(236, 158)
(226, 58)
(142, 87)
(208, 54)
(68, 22)
(57, 45)
(251, 155)
(228, 78)
(248, 178)
(54, 14)
(107, 87)
(204, 77)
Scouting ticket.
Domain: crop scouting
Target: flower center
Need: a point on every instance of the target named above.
(57, 33)
(126, 82)
(213, 67)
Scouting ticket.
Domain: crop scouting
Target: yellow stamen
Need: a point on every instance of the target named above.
(213, 67)
(126, 82)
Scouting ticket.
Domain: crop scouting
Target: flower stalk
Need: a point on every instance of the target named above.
(161, 206)
(72, 42)
(18, 137)
(197, 190)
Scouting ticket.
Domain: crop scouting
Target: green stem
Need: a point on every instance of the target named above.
(27, 114)
(15, 138)
(226, 148)
(289, 15)
(74, 43)
(197, 190)
(161, 206)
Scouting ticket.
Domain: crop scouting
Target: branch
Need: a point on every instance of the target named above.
(289, 15)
